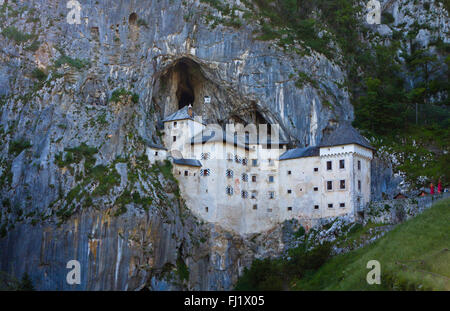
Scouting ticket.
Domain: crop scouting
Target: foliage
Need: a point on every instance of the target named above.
(13, 33)
(17, 146)
(275, 274)
(39, 74)
(121, 94)
(72, 62)
(413, 256)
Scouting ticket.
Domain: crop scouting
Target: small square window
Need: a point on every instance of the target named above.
(254, 162)
(341, 204)
(254, 178)
(255, 207)
(341, 164)
(289, 172)
(329, 166)
(289, 191)
(289, 208)
(316, 169)
(342, 184)
(330, 205)
(316, 188)
(316, 206)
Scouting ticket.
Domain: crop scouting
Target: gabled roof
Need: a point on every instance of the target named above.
(211, 136)
(311, 151)
(181, 114)
(188, 162)
(344, 135)
(156, 146)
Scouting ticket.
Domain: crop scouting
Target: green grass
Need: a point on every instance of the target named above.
(413, 256)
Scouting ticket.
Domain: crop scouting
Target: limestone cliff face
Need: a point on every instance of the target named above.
(56, 86)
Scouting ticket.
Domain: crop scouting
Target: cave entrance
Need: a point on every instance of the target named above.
(185, 89)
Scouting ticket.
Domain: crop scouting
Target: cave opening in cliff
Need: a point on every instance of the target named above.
(185, 71)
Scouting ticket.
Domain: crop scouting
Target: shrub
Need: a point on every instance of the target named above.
(39, 74)
(72, 62)
(121, 94)
(13, 33)
(18, 146)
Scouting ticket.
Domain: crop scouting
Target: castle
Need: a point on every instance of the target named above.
(249, 184)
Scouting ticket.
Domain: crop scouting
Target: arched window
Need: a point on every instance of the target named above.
(229, 173)
(244, 177)
(132, 19)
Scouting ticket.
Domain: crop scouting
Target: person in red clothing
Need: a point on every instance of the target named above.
(439, 186)
(431, 188)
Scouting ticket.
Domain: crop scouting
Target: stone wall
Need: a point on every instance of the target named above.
(397, 211)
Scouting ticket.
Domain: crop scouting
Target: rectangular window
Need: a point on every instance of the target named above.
(254, 162)
(174, 124)
(359, 185)
(271, 162)
(316, 169)
(341, 164)
(289, 172)
(329, 166)
(271, 194)
(174, 138)
(271, 178)
(359, 165)
(342, 205)
(156, 153)
(269, 210)
(254, 178)
(342, 184)
(206, 209)
(316, 206)
(289, 191)
(329, 185)
(316, 188)
(253, 194)
(255, 207)
(186, 173)
(289, 208)
(330, 205)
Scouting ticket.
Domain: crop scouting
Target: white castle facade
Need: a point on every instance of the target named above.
(248, 184)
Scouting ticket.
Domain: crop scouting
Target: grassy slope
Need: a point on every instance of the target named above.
(424, 237)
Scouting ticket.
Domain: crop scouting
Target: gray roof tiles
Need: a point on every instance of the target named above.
(296, 153)
(188, 162)
(344, 135)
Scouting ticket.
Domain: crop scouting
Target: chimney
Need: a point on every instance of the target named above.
(190, 111)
